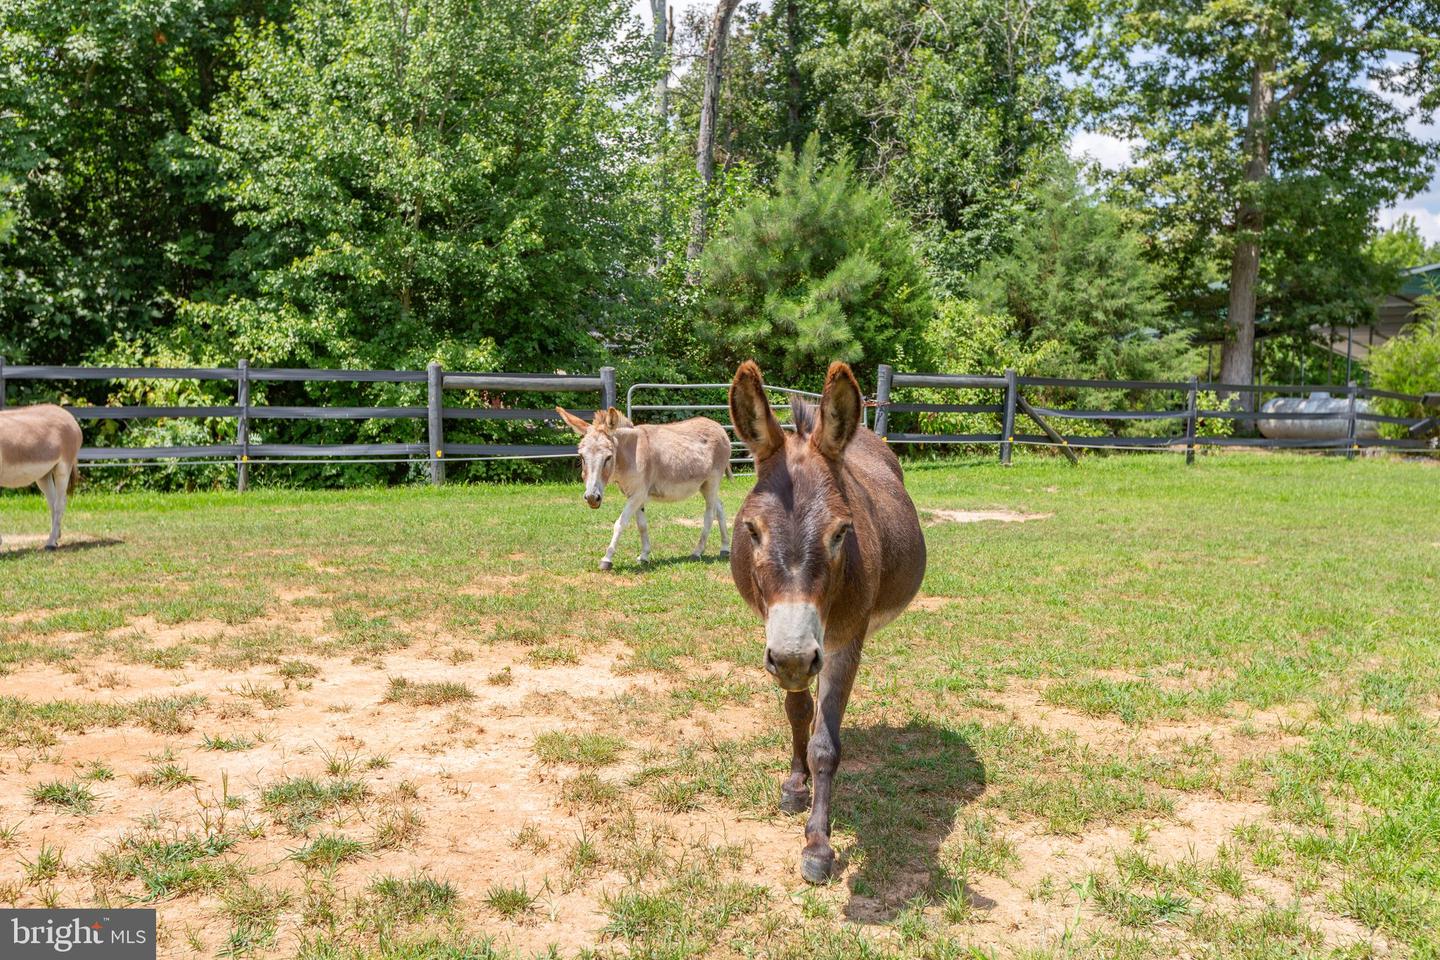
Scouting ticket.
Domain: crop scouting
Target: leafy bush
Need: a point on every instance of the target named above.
(820, 269)
(1409, 363)
(1082, 298)
(455, 174)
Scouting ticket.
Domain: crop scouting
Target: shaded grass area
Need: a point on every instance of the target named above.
(1288, 603)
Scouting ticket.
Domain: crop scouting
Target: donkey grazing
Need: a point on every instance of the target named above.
(664, 462)
(828, 550)
(39, 445)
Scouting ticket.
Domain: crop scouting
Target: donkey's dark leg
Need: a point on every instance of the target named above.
(817, 860)
(795, 791)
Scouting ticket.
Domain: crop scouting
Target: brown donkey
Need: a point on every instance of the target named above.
(827, 550)
(40, 445)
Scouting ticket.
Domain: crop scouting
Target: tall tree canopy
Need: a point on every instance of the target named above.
(114, 220)
(1083, 299)
(953, 106)
(1266, 133)
(820, 269)
(428, 171)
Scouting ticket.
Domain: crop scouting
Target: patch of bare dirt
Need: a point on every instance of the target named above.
(983, 516)
(470, 764)
(1247, 733)
(470, 771)
(932, 603)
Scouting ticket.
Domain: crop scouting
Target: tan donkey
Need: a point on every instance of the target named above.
(663, 462)
(828, 549)
(40, 445)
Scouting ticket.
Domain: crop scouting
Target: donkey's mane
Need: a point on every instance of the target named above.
(802, 413)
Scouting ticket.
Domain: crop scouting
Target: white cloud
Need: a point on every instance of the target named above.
(1112, 153)
(1426, 218)
(641, 8)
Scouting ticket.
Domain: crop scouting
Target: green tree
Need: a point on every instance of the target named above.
(112, 221)
(1409, 363)
(820, 269)
(1083, 299)
(1265, 138)
(1402, 246)
(952, 107)
(7, 214)
(429, 172)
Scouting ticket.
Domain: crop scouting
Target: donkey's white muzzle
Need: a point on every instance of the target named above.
(793, 644)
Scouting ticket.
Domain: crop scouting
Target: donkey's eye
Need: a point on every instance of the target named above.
(754, 530)
(837, 538)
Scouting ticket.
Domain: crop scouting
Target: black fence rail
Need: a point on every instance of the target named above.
(1187, 414)
(1007, 404)
(244, 453)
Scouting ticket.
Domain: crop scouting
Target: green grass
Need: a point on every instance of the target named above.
(165, 865)
(167, 774)
(71, 797)
(414, 897)
(299, 802)
(327, 850)
(435, 694)
(580, 749)
(510, 901)
(1255, 630)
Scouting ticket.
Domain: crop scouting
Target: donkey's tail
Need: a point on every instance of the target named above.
(728, 471)
(74, 476)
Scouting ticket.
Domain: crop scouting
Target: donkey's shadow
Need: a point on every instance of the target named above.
(19, 545)
(900, 790)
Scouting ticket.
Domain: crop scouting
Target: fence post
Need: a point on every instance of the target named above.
(1007, 431)
(607, 387)
(1350, 425)
(2, 383)
(1190, 421)
(882, 401)
(242, 425)
(435, 383)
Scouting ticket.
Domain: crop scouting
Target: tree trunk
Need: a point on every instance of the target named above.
(792, 75)
(709, 109)
(1237, 358)
(660, 49)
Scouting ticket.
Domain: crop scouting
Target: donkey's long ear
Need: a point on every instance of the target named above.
(618, 420)
(574, 422)
(840, 412)
(750, 411)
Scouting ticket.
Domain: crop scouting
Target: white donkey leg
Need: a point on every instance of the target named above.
(719, 509)
(707, 489)
(632, 506)
(643, 522)
(54, 489)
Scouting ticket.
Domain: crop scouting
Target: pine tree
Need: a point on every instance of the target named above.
(820, 269)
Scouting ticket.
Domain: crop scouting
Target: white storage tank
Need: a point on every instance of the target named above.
(1333, 427)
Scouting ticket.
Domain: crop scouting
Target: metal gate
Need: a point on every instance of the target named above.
(684, 407)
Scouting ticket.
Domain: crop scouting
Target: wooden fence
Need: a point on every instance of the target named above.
(1007, 405)
(1011, 403)
(243, 452)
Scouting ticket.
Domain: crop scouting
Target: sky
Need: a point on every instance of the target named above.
(1112, 153)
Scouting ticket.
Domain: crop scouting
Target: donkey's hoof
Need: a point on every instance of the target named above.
(605, 564)
(724, 554)
(794, 801)
(52, 546)
(696, 555)
(817, 864)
